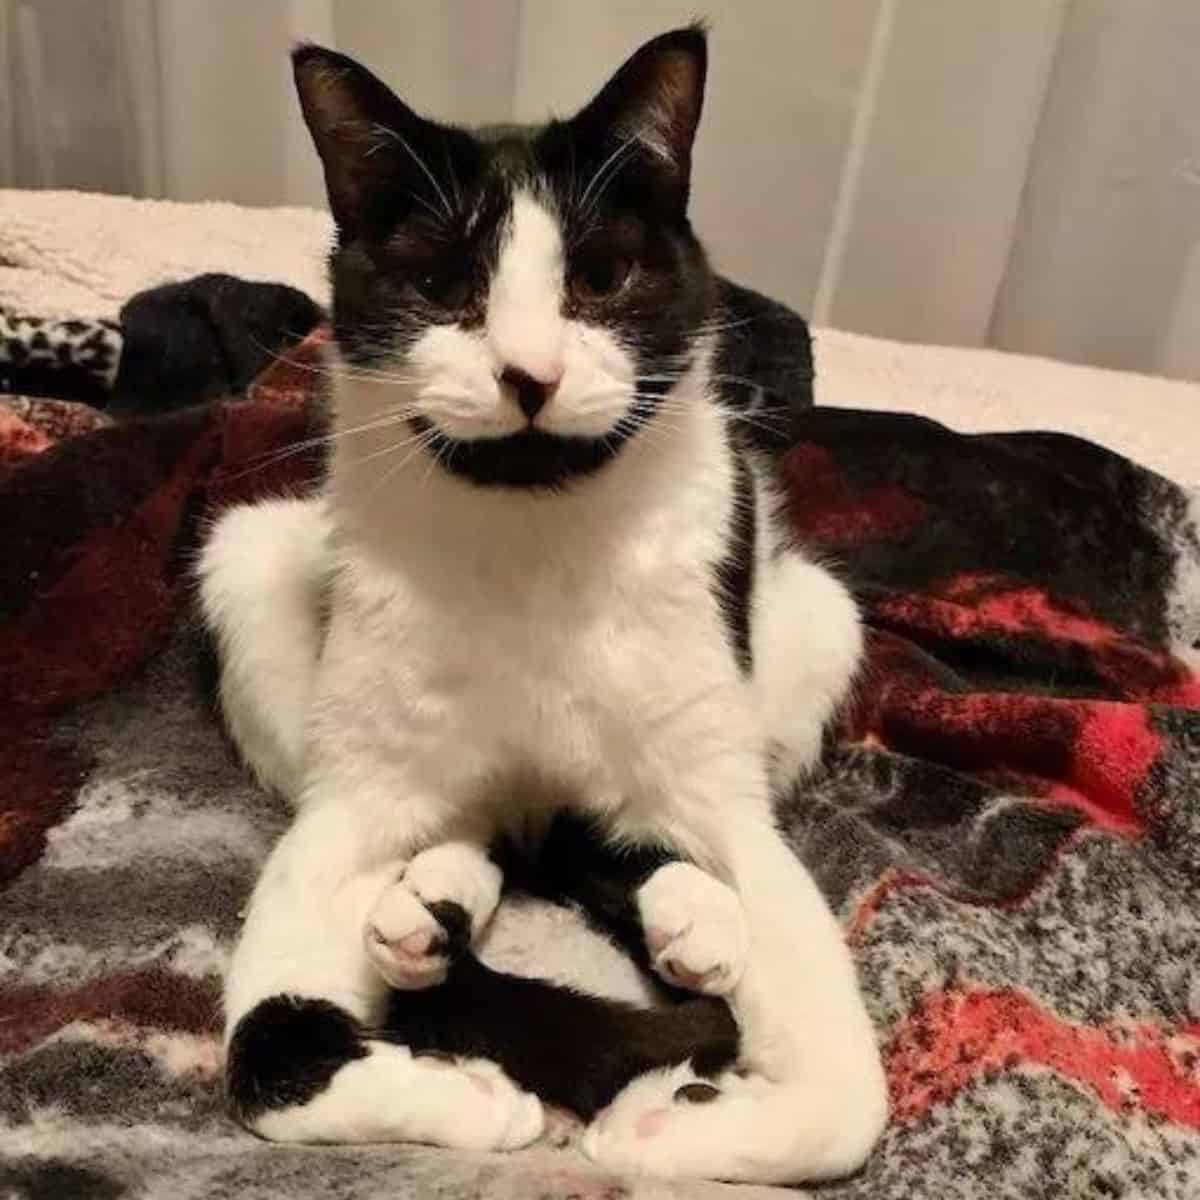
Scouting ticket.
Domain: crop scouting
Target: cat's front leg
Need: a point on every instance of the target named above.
(810, 1100)
(303, 995)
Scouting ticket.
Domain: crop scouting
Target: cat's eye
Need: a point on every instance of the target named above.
(446, 287)
(600, 277)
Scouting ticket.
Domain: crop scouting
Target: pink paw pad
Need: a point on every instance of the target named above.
(652, 1123)
(416, 944)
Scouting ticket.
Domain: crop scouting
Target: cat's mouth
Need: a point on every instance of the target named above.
(531, 458)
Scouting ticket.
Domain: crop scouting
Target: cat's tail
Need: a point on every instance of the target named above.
(263, 574)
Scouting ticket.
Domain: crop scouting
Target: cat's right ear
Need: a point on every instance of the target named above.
(653, 103)
(369, 140)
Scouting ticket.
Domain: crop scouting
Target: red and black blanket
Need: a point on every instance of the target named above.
(1008, 820)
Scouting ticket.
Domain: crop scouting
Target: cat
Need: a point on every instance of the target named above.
(546, 573)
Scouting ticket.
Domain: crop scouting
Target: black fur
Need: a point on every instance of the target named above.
(734, 582)
(763, 368)
(576, 866)
(531, 459)
(568, 1048)
(285, 1051)
(206, 337)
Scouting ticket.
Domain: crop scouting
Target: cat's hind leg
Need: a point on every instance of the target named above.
(810, 1099)
(808, 646)
(304, 1071)
(262, 575)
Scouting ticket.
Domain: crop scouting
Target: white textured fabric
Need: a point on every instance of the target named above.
(1154, 421)
(75, 254)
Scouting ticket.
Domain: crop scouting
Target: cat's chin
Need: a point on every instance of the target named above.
(531, 459)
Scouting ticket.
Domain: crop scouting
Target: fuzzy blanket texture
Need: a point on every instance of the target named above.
(1008, 820)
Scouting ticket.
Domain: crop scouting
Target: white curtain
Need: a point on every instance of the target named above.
(1022, 175)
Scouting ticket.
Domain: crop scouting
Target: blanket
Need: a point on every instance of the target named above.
(1007, 820)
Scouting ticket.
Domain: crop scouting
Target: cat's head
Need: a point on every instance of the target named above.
(534, 293)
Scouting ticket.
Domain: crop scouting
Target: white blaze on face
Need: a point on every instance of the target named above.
(459, 369)
(525, 325)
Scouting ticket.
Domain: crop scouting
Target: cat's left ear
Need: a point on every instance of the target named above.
(652, 105)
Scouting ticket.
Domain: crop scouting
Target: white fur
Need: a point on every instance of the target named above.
(263, 603)
(694, 928)
(542, 940)
(391, 1096)
(525, 326)
(491, 653)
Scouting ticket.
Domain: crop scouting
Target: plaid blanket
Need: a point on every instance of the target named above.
(1008, 820)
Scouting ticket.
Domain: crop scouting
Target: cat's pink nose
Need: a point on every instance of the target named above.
(530, 393)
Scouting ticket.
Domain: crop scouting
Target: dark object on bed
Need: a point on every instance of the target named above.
(174, 345)
(206, 337)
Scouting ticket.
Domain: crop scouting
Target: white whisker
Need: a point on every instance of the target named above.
(437, 187)
(611, 164)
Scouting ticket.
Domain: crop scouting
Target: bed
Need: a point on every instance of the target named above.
(1008, 823)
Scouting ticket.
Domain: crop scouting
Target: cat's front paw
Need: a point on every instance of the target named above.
(422, 922)
(694, 929)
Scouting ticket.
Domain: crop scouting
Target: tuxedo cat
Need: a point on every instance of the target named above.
(547, 574)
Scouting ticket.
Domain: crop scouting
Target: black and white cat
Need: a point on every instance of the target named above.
(544, 573)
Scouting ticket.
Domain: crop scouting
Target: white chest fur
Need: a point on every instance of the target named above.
(572, 641)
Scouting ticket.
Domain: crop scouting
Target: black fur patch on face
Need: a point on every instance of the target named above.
(734, 581)
(669, 291)
(285, 1051)
(407, 269)
(530, 460)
